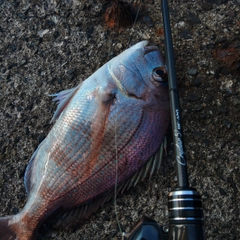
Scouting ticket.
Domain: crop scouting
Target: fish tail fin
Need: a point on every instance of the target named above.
(7, 230)
(12, 228)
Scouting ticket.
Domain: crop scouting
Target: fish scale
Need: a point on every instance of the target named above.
(109, 126)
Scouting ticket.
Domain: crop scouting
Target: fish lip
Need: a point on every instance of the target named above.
(148, 49)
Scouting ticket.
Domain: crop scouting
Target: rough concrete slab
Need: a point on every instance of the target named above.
(48, 46)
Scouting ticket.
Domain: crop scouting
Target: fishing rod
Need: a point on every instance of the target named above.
(185, 211)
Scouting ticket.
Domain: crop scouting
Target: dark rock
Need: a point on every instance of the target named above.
(218, 73)
(194, 182)
(192, 18)
(26, 130)
(203, 116)
(227, 124)
(197, 108)
(90, 30)
(49, 24)
(206, 6)
(217, 2)
(225, 71)
(56, 34)
(232, 185)
(222, 191)
(147, 20)
(193, 97)
(12, 47)
(40, 138)
(8, 115)
(197, 81)
(15, 210)
(223, 109)
(19, 109)
(226, 92)
(106, 217)
(186, 34)
(237, 2)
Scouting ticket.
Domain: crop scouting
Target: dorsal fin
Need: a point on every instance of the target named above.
(63, 98)
(73, 217)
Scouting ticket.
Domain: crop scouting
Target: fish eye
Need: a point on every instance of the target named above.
(160, 74)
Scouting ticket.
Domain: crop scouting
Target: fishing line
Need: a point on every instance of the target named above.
(137, 13)
(116, 169)
(135, 20)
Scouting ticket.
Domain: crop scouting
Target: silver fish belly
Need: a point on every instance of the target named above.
(116, 117)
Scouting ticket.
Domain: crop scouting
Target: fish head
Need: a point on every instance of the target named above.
(140, 72)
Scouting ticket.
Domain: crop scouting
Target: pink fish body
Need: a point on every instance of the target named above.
(116, 117)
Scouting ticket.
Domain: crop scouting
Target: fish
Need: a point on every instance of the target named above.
(111, 125)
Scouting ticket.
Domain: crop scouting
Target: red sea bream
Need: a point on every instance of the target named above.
(114, 121)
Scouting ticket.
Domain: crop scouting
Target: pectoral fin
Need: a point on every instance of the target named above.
(63, 98)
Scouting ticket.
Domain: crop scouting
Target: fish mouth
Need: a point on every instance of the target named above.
(148, 49)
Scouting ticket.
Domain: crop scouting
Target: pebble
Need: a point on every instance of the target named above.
(192, 71)
(119, 45)
(145, 35)
(41, 33)
(180, 24)
(235, 100)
